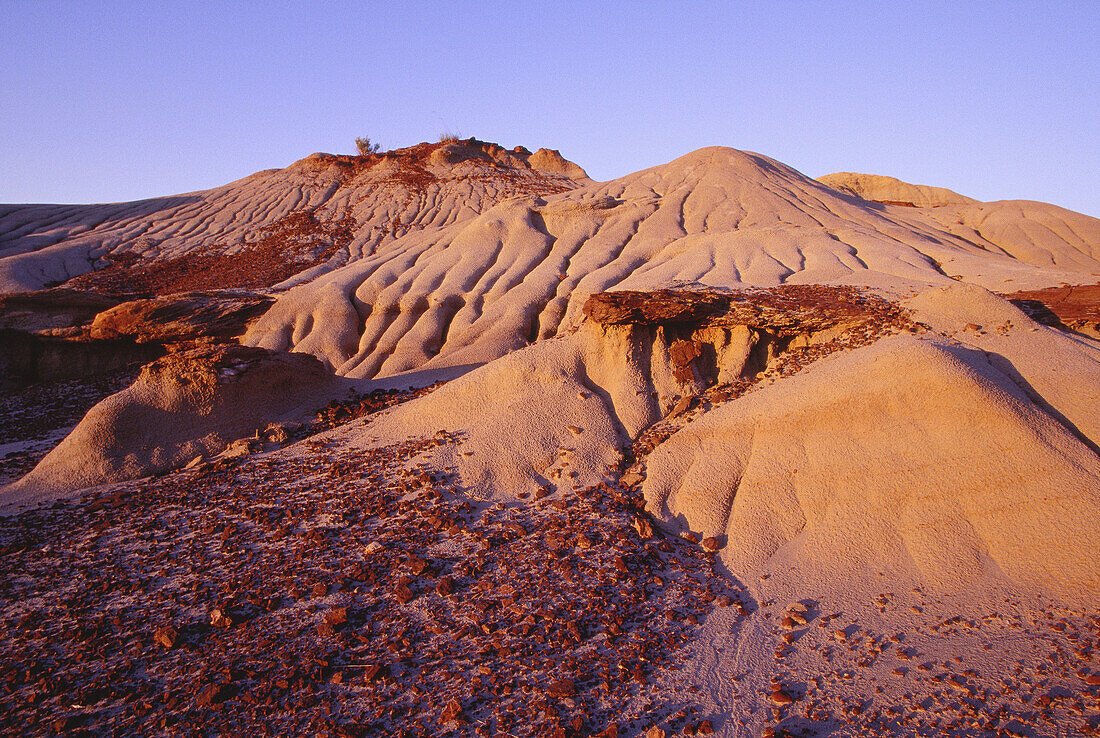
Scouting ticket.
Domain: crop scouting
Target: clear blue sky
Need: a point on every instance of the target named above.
(106, 101)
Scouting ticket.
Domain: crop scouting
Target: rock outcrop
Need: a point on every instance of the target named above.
(193, 316)
(782, 311)
(62, 334)
(890, 191)
(44, 338)
(563, 410)
(940, 463)
(1076, 307)
(182, 406)
(55, 312)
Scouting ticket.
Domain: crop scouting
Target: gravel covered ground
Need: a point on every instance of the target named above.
(319, 591)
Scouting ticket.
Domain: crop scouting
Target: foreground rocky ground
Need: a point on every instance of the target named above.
(316, 590)
(309, 585)
(344, 595)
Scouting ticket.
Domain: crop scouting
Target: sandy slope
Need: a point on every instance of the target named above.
(717, 217)
(928, 500)
(182, 406)
(956, 456)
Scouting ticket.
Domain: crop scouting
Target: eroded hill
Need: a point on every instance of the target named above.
(312, 216)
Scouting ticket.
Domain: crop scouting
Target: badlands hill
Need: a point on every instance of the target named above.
(711, 447)
(314, 215)
(715, 218)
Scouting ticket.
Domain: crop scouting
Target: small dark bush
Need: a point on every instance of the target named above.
(365, 146)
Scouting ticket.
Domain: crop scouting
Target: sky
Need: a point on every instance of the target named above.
(109, 101)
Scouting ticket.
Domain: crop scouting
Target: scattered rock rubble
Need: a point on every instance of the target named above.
(336, 593)
(345, 594)
(1022, 669)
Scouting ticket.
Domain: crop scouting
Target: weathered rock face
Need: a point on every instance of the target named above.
(53, 312)
(192, 316)
(44, 337)
(182, 405)
(26, 358)
(670, 362)
(783, 310)
(61, 334)
(961, 455)
(1074, 306)
(690, 340)
(560, 411)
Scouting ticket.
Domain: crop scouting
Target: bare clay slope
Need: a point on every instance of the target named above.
(719, 217)
(310, 217)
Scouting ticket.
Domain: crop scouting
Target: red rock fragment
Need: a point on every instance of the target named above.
(452, 713)
(372, 672)
(561, 688)
(166, 636)
(781, 697)
(681, 407)
(402, 591)
(65, 725)
(212, 694)
(683, 354)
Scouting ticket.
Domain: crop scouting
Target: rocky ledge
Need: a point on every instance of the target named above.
(1076, 307)
(189, 316)
(785, 310)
